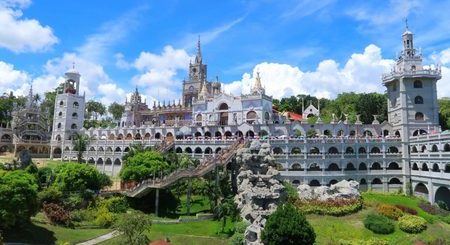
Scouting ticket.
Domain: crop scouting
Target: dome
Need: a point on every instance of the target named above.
(407, 32)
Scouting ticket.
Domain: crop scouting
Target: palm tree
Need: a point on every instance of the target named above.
(226, 208)
(80, 143)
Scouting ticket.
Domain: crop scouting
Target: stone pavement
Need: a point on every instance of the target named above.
(100, 239)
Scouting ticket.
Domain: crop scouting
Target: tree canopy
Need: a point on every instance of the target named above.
(116, 110)
(18, 197)
(287, 225)
(143, 165)
(95, 109)
(79, 178)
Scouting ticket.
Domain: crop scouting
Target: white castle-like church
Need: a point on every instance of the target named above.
(407, 151)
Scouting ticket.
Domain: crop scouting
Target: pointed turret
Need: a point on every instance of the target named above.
(198, 57)
(204, 92)
(257, 86)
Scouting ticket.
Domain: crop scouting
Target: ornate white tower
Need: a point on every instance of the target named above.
(412, 99)
(197, 75)
(411, 89)
(69, 111)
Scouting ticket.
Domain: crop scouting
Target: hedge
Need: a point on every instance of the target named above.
(379, 224)
(412, 224)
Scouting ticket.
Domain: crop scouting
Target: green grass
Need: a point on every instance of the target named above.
(49, 234)
(199, 232)
(199, 204)
(332, 229)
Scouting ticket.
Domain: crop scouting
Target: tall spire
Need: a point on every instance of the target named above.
(198, 57)
(204, 91)
(30, 96)
(257, 86)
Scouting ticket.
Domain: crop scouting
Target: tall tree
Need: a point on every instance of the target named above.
(80, 144)
(94, 109)
(18, 197)
(116, 110)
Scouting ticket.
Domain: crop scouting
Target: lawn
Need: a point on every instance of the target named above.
(199, 204)
(199, 232)
(37, 233)
(330, 229)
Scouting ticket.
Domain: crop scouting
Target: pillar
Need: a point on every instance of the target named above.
(188, 197)
(156, 202)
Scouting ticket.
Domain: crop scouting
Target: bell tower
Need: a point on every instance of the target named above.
(197, 76)
(69, 111)
(411, 89)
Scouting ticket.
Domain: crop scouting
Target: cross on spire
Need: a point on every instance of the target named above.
(406, 24)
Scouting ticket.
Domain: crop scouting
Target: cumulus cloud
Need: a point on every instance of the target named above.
(158, 72)
(361, 73)
(19, 34)
(443, 58)
(12, 79)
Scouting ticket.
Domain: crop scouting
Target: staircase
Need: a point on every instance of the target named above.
(208, 165)
(165, 146)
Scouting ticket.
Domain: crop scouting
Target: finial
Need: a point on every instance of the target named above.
(406, 24)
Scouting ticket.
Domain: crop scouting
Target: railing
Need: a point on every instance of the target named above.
(208, 165)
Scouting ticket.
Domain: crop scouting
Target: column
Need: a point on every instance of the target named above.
(156, 202)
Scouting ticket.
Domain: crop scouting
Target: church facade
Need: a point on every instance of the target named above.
(408, 151)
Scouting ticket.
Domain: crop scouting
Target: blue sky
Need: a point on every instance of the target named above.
(305, 46)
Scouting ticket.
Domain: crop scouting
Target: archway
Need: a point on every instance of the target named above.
(314, 183)
(421, 190)
(296, 182)
(250, 134)
(277, 150)
(332, 182)
(443, 195)
(333, 167)
(197, 134)
(223, 120)
(314, 167)
(158, 136)
(178, 150)
(393, 166)
(375, 166)
(314, 150)
(296, 150)
(425, 167)
(350, 167)
(239, 133)
(228, 135)
(207, 135)
(208, 150)
(218, 135)
(436, 168)
(296, 167)
(362, 166)
(333, 150)
(188, 150)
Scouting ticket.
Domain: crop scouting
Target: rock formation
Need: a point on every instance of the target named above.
(343, 189)
(259, 188)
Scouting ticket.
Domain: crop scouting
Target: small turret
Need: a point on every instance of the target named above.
(257, 86)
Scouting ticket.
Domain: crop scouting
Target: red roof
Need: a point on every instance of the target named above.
(159, 242)
(294, 116)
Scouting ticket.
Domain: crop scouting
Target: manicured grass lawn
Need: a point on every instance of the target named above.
(199, 204)
(332, 229)
(199, 232)
(48, 234)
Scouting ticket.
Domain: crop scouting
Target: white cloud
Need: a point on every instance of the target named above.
(361, 73)
(19, 34)
(305, 7)
(159, 72)
(12, 79)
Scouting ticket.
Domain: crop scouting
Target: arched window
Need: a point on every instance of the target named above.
(417, 84)
(375, 150)
(419, 116)
(59, 125)
(60, 114)
(223, 106)
(362, 150)
(74, 126)
(434, 148)
(349, 150)
(74, 115)
(75, 104)
(333, 150)
(418, 100)
(198, 118)
(251, 117)
(61, 103)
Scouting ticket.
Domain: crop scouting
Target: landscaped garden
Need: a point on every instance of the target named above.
(59, 203)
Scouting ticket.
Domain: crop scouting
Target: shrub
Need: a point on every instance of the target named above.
(379, 224)
(240, 227)
(412, 224)
(389, 211)
(406, 209)
(73, 201)
(103, 218)
(442, 205)
(237, 239)
(117, 204)
(334, 207)
(287, 225)
(56, 214)
(432, 209)
(50, 195)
